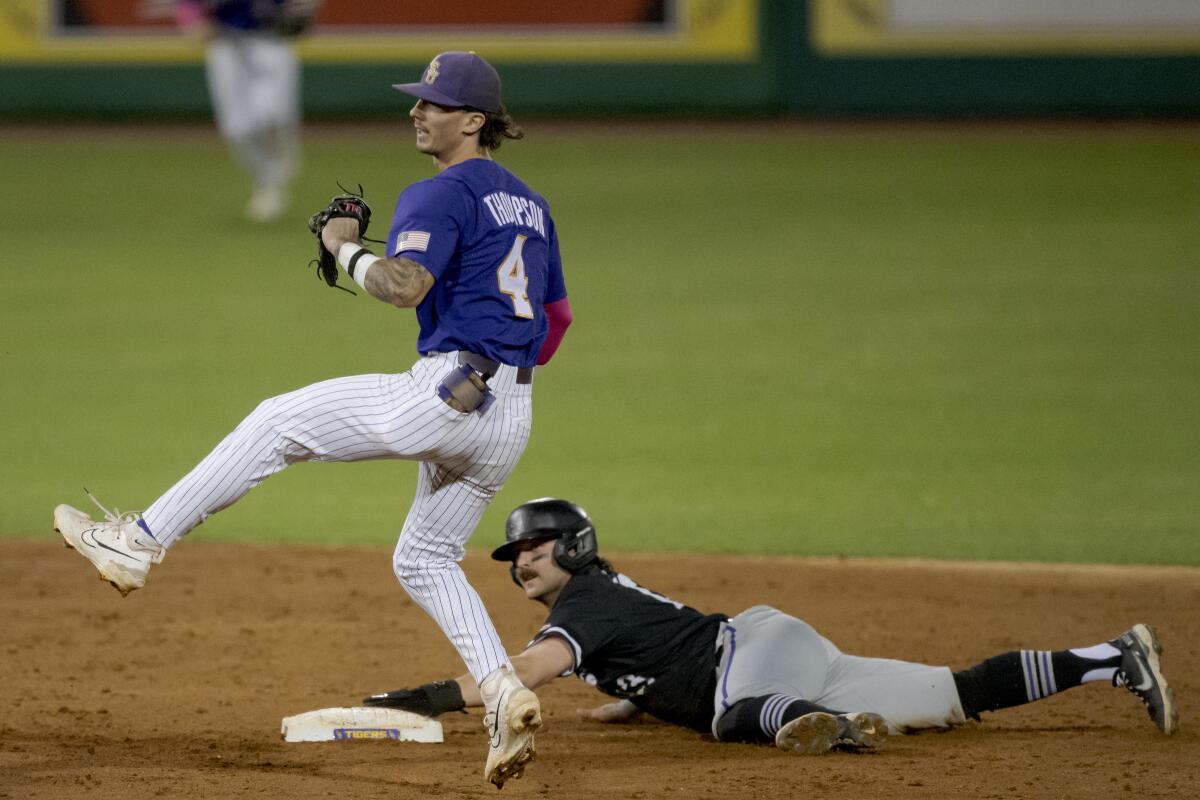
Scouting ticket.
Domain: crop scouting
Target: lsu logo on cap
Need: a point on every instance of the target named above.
(431, 72)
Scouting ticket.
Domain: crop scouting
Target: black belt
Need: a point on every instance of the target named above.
(487, 367)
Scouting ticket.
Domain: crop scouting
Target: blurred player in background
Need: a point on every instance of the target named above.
(254, 84)
(762, 675)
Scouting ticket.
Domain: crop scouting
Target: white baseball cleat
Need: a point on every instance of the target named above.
(119, 548)
(512, 713)
(819, 732)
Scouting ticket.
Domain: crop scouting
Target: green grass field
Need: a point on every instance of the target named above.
(918, 342)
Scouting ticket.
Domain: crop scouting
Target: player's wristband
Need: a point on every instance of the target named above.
(443, 696)
(356, 260)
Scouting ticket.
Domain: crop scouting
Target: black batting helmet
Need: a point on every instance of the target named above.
(551, 518)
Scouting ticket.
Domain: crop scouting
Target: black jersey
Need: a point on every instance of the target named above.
(632, 643)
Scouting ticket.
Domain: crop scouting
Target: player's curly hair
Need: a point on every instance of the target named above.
(498, 127)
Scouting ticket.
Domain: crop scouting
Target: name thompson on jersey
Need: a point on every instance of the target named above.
(507, 209)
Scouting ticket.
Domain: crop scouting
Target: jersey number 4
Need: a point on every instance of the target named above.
(513, 282)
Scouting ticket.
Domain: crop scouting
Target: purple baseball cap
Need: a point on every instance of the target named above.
(458, 78)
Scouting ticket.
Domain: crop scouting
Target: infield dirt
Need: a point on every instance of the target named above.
(178, 690)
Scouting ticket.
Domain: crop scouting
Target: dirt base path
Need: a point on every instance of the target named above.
(178, 690)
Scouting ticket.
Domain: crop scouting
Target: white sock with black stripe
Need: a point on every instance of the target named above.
(1101, 652)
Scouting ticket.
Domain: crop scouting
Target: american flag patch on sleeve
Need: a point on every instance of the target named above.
(412, 240)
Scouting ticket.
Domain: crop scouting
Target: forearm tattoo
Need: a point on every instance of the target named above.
(399, 281)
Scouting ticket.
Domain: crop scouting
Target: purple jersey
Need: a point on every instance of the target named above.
(490, 244)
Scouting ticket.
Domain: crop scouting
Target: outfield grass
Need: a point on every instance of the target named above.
(943, 343)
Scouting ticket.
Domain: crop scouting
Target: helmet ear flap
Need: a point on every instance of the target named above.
(574, 551)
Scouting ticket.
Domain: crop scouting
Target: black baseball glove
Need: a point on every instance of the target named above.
(295, 17)
(428, 700)
(344, 205)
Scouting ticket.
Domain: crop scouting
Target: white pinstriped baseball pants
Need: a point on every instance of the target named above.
(465, 459)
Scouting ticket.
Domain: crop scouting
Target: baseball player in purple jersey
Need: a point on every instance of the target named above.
(761, 675)
(475, 251)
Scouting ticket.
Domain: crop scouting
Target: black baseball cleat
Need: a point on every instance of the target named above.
(1140, 672)
(820, 732)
